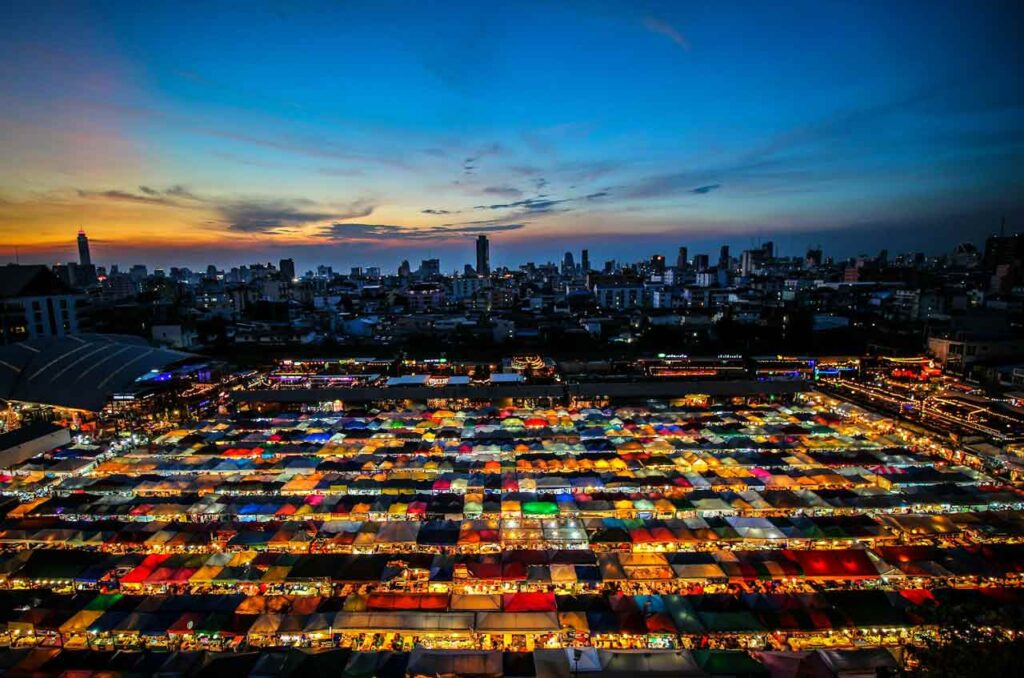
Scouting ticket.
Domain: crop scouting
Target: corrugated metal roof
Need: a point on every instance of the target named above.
(80, 371)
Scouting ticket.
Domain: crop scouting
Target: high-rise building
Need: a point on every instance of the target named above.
(568, 265)
(287, 269)
(749, 260)
(430, 268)
(483, 256)
(813, 258)
(682, 259)
(1002, 250)
(404, 269)
(84, 258)
(723, 257)
(585, 261)
(768, 250)
(701, 262)
(658, 263)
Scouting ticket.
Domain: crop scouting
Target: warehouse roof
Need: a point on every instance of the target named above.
(80, 371)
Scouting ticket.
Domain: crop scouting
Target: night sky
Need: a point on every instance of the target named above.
(365, 132)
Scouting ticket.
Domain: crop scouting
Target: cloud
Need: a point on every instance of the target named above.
(525, 170)
(541, 203)
(531, 204)
(504, 191)
(662, 27)
(271, 216)
(704, 190)
(144, 197)
(243, 215)
(469, 163)
(180, 191)
(438, 211)
(349, 231)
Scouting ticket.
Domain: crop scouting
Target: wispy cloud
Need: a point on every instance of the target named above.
(142, 197)
(662, 27)
(349, 231)
(503, 191)
(704, 190)
(242, 214)
(469, 164)
(541, 203)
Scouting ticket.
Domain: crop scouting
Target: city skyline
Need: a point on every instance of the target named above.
(368, 134)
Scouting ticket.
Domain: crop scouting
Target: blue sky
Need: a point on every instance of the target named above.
(361, 133)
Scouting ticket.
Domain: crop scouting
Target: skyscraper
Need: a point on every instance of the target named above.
(724, 260)
(568, 265)
(287, 268)
(84, 258)
(585, 261)
(483, 256)
(682, 259)
(430, 268)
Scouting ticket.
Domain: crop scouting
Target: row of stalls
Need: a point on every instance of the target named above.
(563, 571)
(518, 622)
(393, 501)
(426, 662)
(773, 440)
(599, 535)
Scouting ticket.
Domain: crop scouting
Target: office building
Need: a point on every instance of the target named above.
(483, 256)
(682, 259)
(568, 265)
(84, 257)
(430, 268)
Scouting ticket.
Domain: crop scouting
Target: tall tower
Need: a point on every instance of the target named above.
(682, 259)
(483, 256)
(83, 249)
